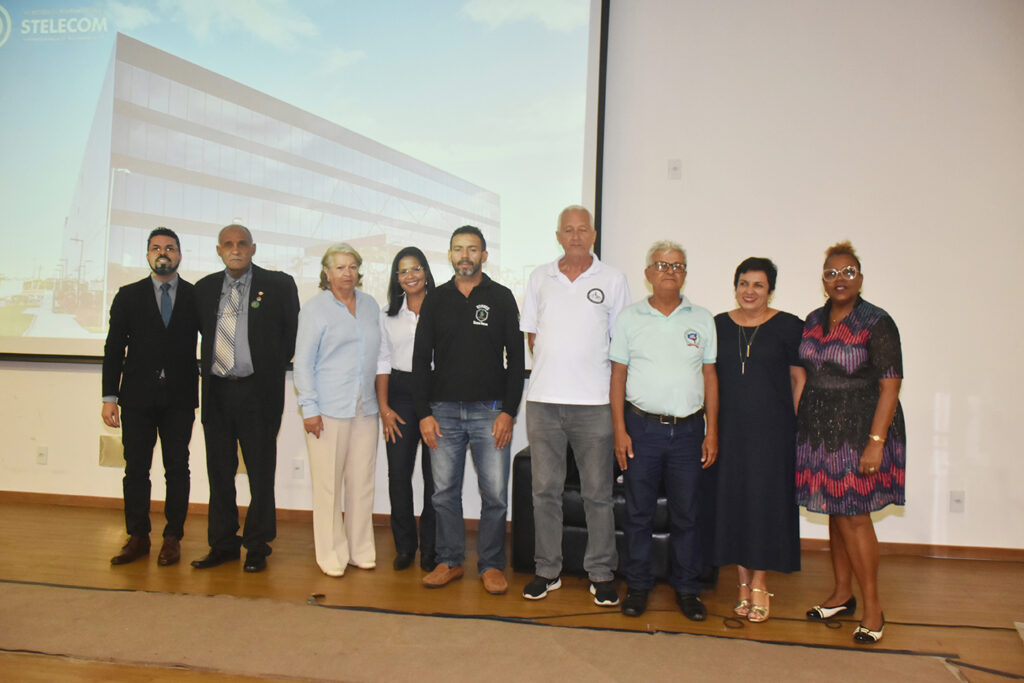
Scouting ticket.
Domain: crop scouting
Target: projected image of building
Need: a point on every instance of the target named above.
(175, 144)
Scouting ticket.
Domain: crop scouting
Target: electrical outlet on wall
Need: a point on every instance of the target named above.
(957, 501)
(298, 469)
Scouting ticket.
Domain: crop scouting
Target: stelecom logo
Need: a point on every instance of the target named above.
(5, 25)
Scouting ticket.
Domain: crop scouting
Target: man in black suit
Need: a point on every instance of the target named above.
(248, 317)
(156, 385)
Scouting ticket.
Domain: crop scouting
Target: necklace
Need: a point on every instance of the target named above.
(745, 343)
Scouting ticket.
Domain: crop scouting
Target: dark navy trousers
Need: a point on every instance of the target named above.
(669, 454)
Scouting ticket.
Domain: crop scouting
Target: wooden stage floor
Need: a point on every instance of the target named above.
(961, 610)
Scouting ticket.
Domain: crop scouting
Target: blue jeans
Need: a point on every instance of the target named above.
(549, 426)
(469, 423)
(669, 454)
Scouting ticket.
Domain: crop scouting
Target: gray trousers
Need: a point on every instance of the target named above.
(549, 426)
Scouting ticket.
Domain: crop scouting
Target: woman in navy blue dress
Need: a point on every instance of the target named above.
(759, 381)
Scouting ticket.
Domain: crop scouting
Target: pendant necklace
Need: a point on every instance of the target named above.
(742, 340)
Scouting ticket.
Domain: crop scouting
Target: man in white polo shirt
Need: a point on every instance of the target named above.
(664, 403)
(569, 313)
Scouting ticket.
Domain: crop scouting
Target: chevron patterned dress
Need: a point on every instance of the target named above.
(838, 404)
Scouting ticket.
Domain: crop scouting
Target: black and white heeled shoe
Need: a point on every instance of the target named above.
(819, 613)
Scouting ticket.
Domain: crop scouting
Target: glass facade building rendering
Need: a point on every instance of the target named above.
(177, 145)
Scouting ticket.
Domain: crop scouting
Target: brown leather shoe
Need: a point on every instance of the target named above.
(136, 547)
(494, 581)
(442, 576)
(170, 552)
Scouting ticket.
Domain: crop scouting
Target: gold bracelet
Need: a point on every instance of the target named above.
(875, 437)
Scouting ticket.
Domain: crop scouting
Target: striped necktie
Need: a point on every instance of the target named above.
(224, 344)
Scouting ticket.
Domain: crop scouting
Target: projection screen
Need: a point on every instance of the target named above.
(379, 124)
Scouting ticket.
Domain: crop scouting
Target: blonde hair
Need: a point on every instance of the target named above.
(328, 260)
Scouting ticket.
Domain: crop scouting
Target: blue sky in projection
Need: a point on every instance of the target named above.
(489, 90)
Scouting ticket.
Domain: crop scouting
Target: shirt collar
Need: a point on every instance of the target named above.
(595, 267)
(684, 305)
(485, 281)
(173, 282)
(245, 279)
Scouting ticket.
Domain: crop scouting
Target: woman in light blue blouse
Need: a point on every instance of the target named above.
(335, 367)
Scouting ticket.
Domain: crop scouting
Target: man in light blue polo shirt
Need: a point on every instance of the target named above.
(664, 402)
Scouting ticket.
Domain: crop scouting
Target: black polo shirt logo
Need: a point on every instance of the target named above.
(483, 311)
(595, 296)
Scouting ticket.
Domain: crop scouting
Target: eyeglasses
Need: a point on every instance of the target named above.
(415, 270)
(662, 266)
(830, 274)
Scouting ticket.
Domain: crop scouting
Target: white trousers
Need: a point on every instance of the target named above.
(345, 456)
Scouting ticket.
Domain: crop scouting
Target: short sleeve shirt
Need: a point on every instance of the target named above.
(573, 321)
(665, 356)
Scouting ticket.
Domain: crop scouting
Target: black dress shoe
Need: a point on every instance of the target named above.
(215, 557)
(428, 562)
(136, 547)
(403, 561)
(635, 603)
(255, 562)
(692, 607)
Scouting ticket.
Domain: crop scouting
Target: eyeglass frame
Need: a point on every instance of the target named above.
(414, 269)
(830, 274)
(662, 266)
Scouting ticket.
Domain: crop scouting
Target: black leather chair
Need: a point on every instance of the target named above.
(574, 531)
(574, 520)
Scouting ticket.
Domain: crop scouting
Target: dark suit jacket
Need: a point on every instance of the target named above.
(136, 325)
(272, 327)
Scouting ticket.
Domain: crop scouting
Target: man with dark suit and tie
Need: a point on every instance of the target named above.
(248, 317)
(156, 386)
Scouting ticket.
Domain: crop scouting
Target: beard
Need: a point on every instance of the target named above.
(163, 266)
(467, 268)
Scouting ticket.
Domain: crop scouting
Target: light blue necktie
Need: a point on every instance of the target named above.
(165, 303)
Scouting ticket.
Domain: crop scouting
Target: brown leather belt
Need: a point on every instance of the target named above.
(665, 419)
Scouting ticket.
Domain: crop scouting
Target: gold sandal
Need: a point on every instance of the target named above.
(742, 607)
(759, 613)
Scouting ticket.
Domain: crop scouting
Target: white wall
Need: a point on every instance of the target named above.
(57, 406)
(899, 125)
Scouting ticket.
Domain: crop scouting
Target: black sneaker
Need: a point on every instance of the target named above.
(605, 593)
(539, 587)
(635, 603)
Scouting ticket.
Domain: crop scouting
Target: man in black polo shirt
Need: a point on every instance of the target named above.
(469, 328)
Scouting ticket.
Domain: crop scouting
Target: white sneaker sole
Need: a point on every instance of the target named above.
(552, 587)
(602, 603)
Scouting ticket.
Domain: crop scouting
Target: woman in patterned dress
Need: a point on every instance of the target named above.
(851, 438)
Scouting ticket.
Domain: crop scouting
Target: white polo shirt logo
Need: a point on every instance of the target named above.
(692, 338)
(483, 311)
(595, 296)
